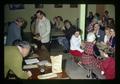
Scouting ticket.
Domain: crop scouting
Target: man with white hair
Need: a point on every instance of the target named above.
(13, 58)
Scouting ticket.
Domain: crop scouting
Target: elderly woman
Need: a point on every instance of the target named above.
(88, 59)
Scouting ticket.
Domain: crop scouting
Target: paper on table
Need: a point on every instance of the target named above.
(30, 66)
(31, 61)
(47, 76)
(44, 62)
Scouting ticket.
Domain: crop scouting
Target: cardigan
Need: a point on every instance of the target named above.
(13, 61)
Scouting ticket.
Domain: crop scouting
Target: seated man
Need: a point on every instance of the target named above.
(13, 58)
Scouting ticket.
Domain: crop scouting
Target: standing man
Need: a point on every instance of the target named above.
(42, 29)
(14, 31)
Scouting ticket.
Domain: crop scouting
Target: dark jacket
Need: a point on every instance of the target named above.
(69, 32)
(100, 36)
(13, 33)
(112, 42)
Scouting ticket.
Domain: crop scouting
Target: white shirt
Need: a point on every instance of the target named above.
(43, 28)
(106, 38)
(75, 43)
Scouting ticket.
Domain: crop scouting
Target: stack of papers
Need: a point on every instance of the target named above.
(29, 66)
(44, 62)
(31, 61)
(47, 76)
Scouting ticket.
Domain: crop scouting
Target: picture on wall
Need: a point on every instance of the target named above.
(58, 5)
(39, 5)
(16, 6)
(73, 5)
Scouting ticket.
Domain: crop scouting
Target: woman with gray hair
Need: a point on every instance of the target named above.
(13, 58)
(88, 59)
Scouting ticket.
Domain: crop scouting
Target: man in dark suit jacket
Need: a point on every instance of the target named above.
(98, 32)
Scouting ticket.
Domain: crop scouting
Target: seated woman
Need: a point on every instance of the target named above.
(112, 42)
(59, 23)
(68, 31)
(75, 43)
(112, 38)
(107, 35)
(54, 22)
(103, 44)
(107, 65)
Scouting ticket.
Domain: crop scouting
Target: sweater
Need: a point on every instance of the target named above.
(75, 43)
(43, 28)
(13, 61)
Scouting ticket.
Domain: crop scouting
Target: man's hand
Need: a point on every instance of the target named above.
(29, 73)
(37, 35)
